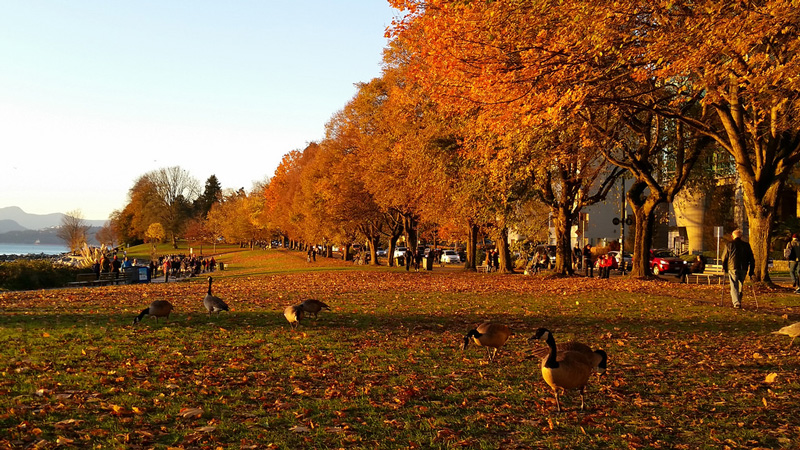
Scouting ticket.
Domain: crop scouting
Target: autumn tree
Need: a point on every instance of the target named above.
(745, 83)
(131, 222)
(513, 155)
(155, 234)
(407, 145)
(279, 197)
(175, 189)
(525, 64)
(568, 175)
(73, 230)
(107, 234)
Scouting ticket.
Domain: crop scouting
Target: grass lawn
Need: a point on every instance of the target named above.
(383, 369)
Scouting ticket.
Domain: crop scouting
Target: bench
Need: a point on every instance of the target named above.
(107, 278)
(83, 279)
(712, 271)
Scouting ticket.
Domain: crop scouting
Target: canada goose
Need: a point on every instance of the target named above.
(314, 306)
(294, 314)
(159, 308)
(213, 303)
(565, 370)
(489, 335)
(598, 358)
(792, 330)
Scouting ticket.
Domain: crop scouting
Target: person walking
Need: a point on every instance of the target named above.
(738, 262)
(576, 257)
(793, 249)
(587, 260)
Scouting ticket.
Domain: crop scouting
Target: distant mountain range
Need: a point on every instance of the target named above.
(19, 227)
(13, 218)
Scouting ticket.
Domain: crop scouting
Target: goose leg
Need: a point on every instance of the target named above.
(582, 403)
(558, 404)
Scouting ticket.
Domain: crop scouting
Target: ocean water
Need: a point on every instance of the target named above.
(25, 249)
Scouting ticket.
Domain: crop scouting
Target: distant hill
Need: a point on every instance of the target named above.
(46, 236)
(26, 221)
(7, 225)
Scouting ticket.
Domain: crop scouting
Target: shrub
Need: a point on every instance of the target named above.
(39, 274)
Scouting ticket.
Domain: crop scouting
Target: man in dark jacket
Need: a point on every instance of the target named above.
(738, 262)
(794, 257)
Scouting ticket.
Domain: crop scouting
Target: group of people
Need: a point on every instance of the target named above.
(582, 258)
(604, 264)
(412, 259)
(182, 265)
(311, 253)
(111, 263)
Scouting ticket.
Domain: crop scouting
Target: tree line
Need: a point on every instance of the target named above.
(495, 117)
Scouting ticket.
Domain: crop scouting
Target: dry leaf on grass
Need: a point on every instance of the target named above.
(190, 413)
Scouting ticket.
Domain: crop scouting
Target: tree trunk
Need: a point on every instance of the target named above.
(373, 250)
(346, 253)
(562, 222)
(472, 248)
(410, 227)
(759, 217)
(390, 251)
(504, 252)
(643, 240)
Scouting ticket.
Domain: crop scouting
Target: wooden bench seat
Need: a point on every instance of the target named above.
(712, 272)
(482, 269)
(126, 276)
(83, 279)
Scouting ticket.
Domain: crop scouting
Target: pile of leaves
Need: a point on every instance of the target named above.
(383, 369)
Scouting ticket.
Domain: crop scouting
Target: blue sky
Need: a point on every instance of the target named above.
(94, 94)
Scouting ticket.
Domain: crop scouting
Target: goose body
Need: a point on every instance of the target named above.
(564, 370)
(159, 308)
(212, 302)
(314, 306)
(598, 358)
(294, 314)
(489, 335)
(792, 331)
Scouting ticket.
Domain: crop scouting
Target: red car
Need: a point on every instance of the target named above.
(662, 261)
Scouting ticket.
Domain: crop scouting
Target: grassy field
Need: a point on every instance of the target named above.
(383, 369)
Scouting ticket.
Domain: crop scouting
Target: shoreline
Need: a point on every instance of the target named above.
(31, 256)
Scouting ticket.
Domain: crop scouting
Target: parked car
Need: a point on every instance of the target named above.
(663, 261)
(399, 252)
(625, 255)
(380, 252)
(450, 257)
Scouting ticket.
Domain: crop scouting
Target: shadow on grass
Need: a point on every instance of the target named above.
(386, 322)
